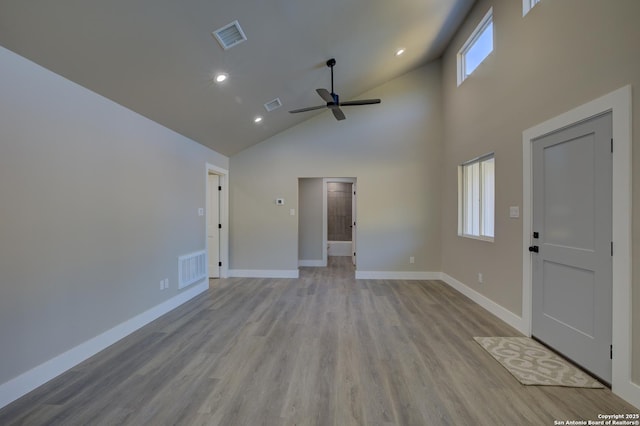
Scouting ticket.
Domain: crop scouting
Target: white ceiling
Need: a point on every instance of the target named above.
(157, 57)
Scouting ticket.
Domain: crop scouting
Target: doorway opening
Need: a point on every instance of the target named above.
(339, 218)
(327, 224)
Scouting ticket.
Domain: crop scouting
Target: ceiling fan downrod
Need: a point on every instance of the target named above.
(330, 63)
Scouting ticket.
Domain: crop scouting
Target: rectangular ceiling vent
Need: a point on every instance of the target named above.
(230, 35)
(274, 104)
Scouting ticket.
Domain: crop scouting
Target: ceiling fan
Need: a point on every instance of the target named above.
(333, 100)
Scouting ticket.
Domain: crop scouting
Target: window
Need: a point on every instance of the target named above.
(476, 48)
(476, 198)
(527, 5)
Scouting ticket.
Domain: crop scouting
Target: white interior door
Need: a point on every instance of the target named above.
(353, 220)
(572, 243)
(213, 226)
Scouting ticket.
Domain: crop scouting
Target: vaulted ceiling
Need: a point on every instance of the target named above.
(158, 57)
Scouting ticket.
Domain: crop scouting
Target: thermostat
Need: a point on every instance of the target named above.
(279, 201)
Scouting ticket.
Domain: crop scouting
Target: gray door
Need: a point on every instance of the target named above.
(572, 268)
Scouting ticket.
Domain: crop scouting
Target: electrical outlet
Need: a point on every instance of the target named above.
(412, 259)
(480, 277)
(161, 284)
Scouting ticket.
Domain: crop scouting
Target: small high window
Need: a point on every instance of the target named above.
(476, 198)
(476, 48)
(527, 5)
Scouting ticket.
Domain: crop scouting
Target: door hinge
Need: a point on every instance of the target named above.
(219, 188)
(354, 223)
(610, 351)
(354, 253)
(611, 248)
(611, 144)
(219, 226)
(354, 192)
(219, 263)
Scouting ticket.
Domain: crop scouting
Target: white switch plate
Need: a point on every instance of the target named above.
(514, 212)
(292, 212)
(200, 211)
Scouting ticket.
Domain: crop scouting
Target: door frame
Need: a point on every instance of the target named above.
(325, 226)
(224, 216)
(619, 103)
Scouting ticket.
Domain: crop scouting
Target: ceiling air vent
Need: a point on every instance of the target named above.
(274, 104)
(230, 35)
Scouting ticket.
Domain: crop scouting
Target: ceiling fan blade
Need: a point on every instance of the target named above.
(338, 114)
(307, 109)
(324, 94)
(361, 102)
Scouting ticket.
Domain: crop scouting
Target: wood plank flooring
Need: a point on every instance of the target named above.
(324, 349)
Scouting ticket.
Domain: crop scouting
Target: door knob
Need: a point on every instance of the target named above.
(534, 249)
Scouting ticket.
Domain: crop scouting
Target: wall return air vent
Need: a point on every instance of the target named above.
(230, 35)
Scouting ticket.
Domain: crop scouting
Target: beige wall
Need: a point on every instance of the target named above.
(310, 220)
(561, 55)
(97, 203)
(394, 151)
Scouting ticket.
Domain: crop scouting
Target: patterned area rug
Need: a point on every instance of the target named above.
(533, 364)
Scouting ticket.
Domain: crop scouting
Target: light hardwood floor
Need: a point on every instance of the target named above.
(324, 349)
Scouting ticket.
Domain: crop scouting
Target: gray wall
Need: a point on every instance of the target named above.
(310, 224)
(394, 151)
(97, 203)
(561, 55)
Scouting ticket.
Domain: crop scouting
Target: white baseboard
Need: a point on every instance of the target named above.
(37, 376)
(397, 275)
(312, 263)
(504, 314)
(629, 391)
(264, 273)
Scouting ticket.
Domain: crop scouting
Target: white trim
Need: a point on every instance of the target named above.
(37, 376)
(224, 216)
(312, 263)
(397, 275)
(527, 5)
(264, 273)
(502, 313)
(619, 102)
(462, 53)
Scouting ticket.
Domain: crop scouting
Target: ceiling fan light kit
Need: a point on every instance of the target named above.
(333, 100)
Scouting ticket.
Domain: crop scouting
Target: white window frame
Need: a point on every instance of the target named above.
(473, 38)
(463, 209)
(527, 5)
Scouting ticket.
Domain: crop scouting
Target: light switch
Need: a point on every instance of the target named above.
(200, 211)
(292, 212)
(514, 212)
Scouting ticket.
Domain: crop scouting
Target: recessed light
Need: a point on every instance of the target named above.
(257, 120)
(400, 51)
(220, 77)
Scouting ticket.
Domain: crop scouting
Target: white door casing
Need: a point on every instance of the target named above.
(619, 103)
